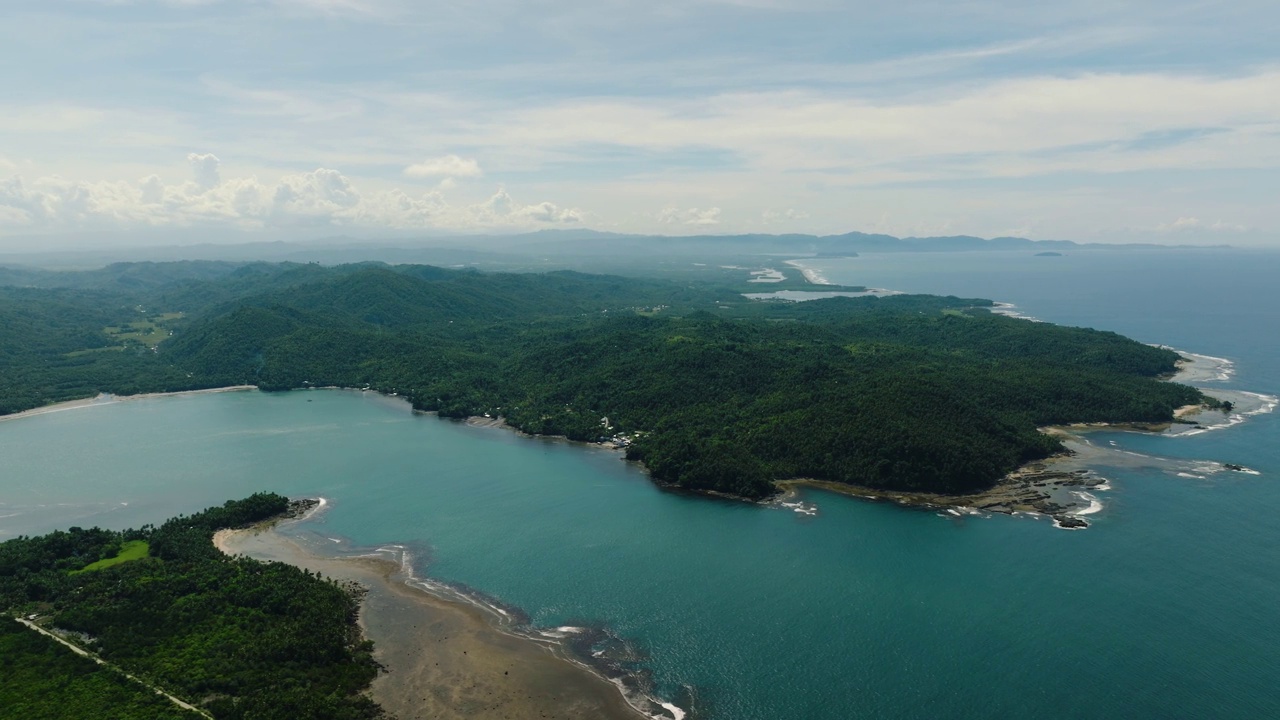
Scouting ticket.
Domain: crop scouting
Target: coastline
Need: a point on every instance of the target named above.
(109, 399)
(1061, 486)
(1037, 488)
(1058, 487)
(813, 276)
(447, 657)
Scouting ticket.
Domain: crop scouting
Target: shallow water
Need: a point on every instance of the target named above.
(1165, 607)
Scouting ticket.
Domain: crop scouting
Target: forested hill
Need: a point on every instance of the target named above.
(238, 638)
(712, 391)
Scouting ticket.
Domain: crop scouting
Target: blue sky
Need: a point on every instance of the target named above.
(1095, 121)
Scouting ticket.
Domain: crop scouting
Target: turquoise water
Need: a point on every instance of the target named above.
(1165, 607)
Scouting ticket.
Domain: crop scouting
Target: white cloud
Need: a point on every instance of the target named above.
(322, 197)
(205, 168)
(691, 216)
(501, 209)
(1193, 224)
(447, 166)
(777, 216)
(545, 212)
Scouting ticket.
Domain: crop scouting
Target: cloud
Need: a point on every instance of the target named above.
(205, 168)
(1193, 224)
(447, 166)
(501, 208)
(1074, 119)
(545, 212)
(322, 197)
(1010, 127)
(691, 216)
(776, 216)
(325, 7)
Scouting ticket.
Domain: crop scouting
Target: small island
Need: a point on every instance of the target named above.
(1049, 253)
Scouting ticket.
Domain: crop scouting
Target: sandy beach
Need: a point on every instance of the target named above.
(109, 399)
(445, 659)
(813, 276)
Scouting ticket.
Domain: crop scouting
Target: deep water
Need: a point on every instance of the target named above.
(1165, 607)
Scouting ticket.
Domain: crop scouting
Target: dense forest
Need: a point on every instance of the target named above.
(236, 637)
(710, 390)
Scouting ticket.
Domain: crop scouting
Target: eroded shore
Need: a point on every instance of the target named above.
(445, 658)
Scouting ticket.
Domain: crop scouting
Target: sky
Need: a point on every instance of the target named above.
(184, 120)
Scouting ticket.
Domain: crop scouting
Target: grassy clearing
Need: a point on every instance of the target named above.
(130, 550)
(79, 353)
(148, 332)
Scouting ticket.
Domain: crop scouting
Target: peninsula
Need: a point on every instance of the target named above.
(713, 392)
(179, 629)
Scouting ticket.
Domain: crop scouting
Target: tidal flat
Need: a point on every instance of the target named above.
(443, 658)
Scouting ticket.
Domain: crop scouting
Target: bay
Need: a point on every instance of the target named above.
(1165, 607)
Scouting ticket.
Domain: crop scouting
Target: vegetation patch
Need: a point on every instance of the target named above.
(43, 680)
(238, 638)
(147, 332)
(129, 550)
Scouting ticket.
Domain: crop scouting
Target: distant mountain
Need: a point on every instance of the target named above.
(846, 244)
(545, 249)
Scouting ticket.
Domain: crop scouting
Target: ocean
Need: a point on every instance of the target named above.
(1165, 607)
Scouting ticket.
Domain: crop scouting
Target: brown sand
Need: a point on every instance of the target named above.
(446, 659)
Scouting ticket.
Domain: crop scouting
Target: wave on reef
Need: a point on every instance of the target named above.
(800, 507)
(1246, 405)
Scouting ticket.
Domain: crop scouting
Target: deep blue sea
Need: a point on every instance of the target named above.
(1168, 606)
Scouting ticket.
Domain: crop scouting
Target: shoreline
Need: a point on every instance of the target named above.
(1059, 487)
(1056, 487)
(449, 655)
(1036, 489)
(812, 276)
(103, 399)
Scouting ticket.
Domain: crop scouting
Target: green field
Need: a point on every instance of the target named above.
(129, 550)
(149, 332)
